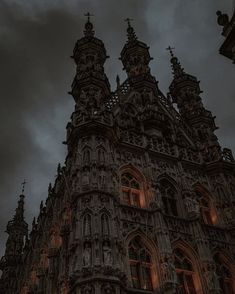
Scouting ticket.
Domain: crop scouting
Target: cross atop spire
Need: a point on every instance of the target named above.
(23, 186)
(128, 20)
(130, 31)
(170, 49)
(88, 26)
(88, 14)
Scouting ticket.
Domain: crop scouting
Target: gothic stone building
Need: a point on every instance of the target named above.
(145, 200)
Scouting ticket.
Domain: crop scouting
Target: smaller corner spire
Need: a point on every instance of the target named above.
(23, 186)
(89, 32)
(177, 69)
(130, 31)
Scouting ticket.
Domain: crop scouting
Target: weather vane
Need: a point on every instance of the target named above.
(88, 16)
(23, 186)
(171, 50)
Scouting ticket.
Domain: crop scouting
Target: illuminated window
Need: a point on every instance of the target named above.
(131, 190)
(225, 276)
(140, 265)
(185, 273)
(169, 198)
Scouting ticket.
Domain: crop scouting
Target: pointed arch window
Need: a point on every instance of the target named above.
(169, 198)
(224, 274)
(140, 265)
(185, 273)
(131, 190)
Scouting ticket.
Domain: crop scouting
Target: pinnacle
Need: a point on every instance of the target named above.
(130, 31)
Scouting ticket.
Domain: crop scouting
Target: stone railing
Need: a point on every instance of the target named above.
(177, 225)
(114, 99)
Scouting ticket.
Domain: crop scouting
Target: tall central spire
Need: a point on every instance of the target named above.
(135, 55)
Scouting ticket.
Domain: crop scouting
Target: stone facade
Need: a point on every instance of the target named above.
(145, 200)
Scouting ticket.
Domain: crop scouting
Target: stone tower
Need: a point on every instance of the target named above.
(145, 201)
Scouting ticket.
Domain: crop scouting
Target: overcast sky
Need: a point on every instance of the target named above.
(36, 39)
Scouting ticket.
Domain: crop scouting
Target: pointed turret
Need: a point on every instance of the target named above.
(135, 56)
(90, 86)
(185, 92)
(17, 229)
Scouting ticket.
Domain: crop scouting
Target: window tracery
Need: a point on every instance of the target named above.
(140, 265)
(185, 273)
(131, 190)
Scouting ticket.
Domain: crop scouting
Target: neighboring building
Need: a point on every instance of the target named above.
(228, 47)
(145, 201)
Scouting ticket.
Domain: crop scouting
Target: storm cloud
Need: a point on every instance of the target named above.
(36, 40)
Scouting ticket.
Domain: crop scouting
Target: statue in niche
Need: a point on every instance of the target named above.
(228, 214)
(212, 280)
(44, 262)
(87, 255)
(105, 224)
(87, 225)
(168, 270)
(102, 179)
(192, 205)
(87, 289)
(85, 177)
(107, 254)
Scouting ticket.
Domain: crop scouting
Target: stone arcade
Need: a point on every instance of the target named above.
(145, 200)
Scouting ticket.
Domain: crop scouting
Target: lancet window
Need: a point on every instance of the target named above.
(131, 190)
(224, 274)
(169, 198)
(140, 265)
(185, 273)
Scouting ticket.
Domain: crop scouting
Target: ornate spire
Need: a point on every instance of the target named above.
(19, 214)
(177, 69)
(88, 32)
(130, 31)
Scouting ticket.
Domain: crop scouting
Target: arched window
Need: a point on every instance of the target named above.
(131, 190)
(185, 273)
(169, 198)
(87, 225)
(224, 275)
(140, 265)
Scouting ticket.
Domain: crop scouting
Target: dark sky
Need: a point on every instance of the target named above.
(36, 40)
